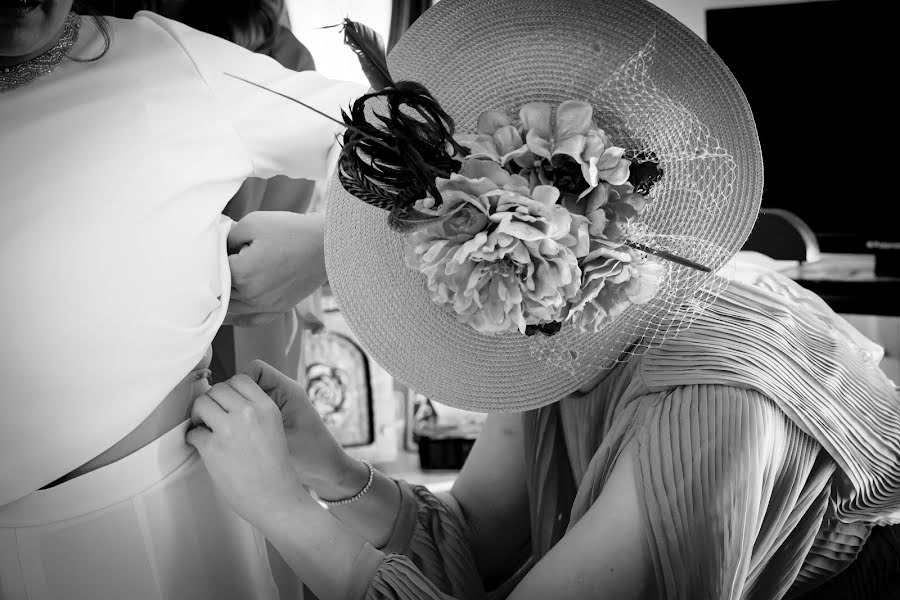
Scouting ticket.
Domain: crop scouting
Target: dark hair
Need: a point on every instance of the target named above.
(85, 8)
(252, 24)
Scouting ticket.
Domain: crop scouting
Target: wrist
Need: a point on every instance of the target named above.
(284, 519)
(345, 481)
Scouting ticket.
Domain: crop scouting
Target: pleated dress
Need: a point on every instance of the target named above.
(766, 452)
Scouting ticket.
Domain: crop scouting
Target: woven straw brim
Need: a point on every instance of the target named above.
(475, 55)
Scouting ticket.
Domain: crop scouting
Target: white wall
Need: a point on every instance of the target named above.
(693, 12)
(333, 58)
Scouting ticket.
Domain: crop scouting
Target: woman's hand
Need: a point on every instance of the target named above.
(276, 260)
(240, 437)
(318, 458)
(238, 432)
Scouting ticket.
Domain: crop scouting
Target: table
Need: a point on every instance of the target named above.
(406, 467)
(847, 282)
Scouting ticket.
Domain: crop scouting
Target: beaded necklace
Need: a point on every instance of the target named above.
(15, 76)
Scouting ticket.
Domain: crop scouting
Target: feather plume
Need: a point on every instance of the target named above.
(404, 150)
(370, 49)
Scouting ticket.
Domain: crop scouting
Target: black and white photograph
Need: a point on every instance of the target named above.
(448, 300)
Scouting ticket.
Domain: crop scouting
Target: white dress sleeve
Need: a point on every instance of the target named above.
(281, 136)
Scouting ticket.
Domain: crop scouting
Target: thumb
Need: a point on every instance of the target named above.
(267, 377)
(198, 437)
(279, 387)
(242, 233)
(237, 262)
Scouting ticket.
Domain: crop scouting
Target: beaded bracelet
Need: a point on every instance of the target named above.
(359, 494)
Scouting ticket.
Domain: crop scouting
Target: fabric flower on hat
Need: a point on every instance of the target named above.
(573, 134)
(532, 229)
(611, 209)
(601, 161)
(613, 279)
(514, 265)
(497, 139)
(566, 134)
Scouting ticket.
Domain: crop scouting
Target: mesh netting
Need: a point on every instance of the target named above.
(681, 218)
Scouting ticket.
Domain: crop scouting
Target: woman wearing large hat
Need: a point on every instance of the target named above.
(666, 423)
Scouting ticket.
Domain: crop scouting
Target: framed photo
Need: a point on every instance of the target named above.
(338, 383)
(353, 394)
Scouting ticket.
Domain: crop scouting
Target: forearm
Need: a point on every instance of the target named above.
(490, 501)
(336, 562)
(328, 556)
(409, 523)
(372, 516)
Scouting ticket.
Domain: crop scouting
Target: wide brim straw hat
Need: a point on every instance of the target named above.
(654, 85)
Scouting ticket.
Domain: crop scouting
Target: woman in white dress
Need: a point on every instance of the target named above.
(121, 141)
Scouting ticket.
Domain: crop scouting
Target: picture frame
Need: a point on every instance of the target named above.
(364, 420)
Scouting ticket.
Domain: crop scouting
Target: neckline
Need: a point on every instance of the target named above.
(21, 74)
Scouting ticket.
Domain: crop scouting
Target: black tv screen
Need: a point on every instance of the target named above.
(817, 78)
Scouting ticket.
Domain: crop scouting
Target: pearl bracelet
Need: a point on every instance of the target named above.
(358, 495)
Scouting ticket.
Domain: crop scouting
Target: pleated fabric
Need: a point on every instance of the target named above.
(733, 493)
(767, 457)
(874, 575)
(429, 555)
(779, 339)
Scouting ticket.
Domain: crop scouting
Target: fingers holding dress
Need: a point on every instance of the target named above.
(209, 413)
(242, 443)
(276, 260)
(279, 387)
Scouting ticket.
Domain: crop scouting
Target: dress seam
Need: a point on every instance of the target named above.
(206, 85)
(21, 568)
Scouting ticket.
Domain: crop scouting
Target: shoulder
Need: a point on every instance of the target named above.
(147, 20)
(147, 42)
(142, 24)
(201, 48)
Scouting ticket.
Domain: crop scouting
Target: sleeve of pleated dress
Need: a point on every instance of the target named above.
(735, 496)
(428, 557)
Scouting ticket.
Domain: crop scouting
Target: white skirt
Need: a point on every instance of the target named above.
(150, 526)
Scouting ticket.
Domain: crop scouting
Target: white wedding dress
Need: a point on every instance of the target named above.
(113, 176)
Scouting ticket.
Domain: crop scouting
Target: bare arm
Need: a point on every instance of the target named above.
(490, 492)
(240, 435)
(605, 555)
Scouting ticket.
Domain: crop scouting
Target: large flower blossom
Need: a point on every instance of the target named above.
(601, 161)
(497, 139)
(572, 133)
(548, 137)
(613, 279)
(507, 254)
(565, 135)
(612, 209)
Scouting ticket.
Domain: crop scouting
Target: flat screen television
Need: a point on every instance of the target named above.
(818, 81)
